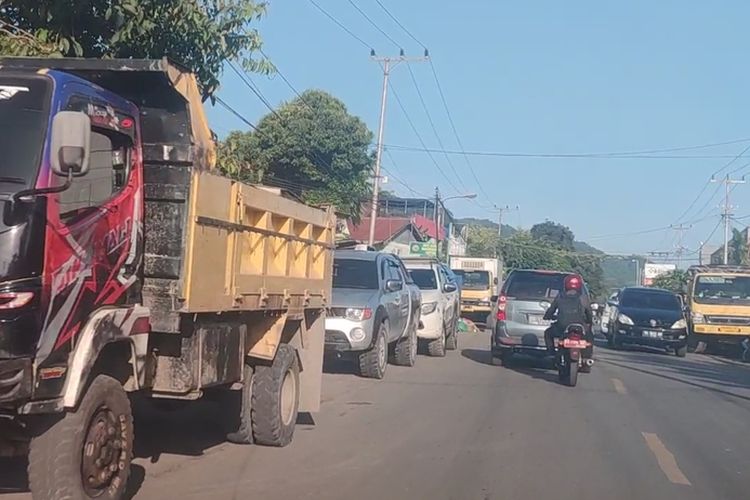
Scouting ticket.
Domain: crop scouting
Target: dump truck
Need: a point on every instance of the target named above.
(130, 265)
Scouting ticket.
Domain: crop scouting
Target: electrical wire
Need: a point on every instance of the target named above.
(340, 25)
(395, 20)
(374, 25)
(419, 137)
(432, 125)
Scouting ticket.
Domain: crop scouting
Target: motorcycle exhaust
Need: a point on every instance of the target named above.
(588, 362)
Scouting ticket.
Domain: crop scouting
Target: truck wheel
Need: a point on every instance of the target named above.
(241, 426)
(86, 453)
(372, 362)
(436, 348)
(405, 351)
(275, 398)
(451, 343)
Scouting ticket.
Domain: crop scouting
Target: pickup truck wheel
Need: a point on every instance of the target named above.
(373, 362)
(436, 348)
(86, 453)
(405, 351)
(451, 343)
(240, 402)
(275, 398)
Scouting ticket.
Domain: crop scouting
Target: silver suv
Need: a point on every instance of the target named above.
(375, 309)
(519, 313)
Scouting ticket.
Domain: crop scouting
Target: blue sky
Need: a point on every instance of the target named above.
(539, 77)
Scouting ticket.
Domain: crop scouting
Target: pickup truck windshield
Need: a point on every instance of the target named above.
(23, 126)
(424, 278)
(353, 273)
(474, 280)
(722, 290)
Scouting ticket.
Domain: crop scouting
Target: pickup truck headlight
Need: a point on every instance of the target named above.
(624, 320)
(358, 314)
(429, 307)
(698, 317)
(679, 324)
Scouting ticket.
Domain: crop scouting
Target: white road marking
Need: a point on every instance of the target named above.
(666, 460)
(619, 386)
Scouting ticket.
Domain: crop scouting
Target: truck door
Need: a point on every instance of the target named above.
(395, 301)
(94, 226)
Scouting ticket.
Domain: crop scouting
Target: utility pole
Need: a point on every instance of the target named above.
(437, 222)
(726, 212)
(500, 211)
(680, 249)
(387, 63)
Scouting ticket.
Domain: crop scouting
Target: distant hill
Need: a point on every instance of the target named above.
(583, 247)
(472, 221)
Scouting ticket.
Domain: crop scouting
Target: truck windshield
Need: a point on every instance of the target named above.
(354, 273)
(474, 280)
(23, 126)
(424, 278)
(725, 290)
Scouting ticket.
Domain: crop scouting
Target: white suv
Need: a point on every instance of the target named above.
(438, 327)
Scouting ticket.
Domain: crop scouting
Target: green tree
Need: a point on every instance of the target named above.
(199, 34)
(674, 281)
(481, 241)
(555, 234)
(311, 146)
(738, 249)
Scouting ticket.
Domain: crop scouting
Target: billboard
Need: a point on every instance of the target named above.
(651, 271)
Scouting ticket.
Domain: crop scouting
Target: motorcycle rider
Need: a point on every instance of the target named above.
(568, 308)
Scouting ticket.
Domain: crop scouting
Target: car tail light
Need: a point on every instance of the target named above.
(502, 302)
(14, 300)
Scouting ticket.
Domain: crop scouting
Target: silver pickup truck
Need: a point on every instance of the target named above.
(374, 313)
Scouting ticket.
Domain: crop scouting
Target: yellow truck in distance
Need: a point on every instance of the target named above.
(480, 281)
(718, 300)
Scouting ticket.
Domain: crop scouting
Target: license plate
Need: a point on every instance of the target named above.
(575, 344)
(535, 319)
(652, 334)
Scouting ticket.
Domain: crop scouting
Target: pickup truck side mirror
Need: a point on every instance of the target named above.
(394, 285)
(494, 298)
(449, 287)
(71, 143)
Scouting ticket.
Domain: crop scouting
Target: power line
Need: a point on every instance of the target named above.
(419, 137)
(432, 125)
(374, 25)
(245, 79)
(599, 156)
(395, 20)
(340, 25)
(235, 113)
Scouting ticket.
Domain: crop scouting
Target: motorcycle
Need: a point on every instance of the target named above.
(569, 359)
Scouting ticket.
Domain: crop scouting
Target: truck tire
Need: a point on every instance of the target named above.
(436, 348)
(451, 342)
(373, 362)
(405, 350)
(86, 453)
(241, 403)
(275, 398)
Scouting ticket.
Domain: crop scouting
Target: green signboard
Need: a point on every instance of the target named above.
(424, 249)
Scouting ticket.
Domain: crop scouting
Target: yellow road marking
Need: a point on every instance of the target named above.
(619, 386)
(666, 460)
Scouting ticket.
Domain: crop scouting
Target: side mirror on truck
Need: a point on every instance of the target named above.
(71, 143)
(450, 287)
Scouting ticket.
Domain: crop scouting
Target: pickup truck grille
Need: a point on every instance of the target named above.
(728, 320)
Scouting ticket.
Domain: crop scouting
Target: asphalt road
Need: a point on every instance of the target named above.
(641, 425)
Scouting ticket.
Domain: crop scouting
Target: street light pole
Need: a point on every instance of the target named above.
(438, 203)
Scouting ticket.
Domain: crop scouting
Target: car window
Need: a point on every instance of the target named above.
(534, 286)
(390, 270)
(355, 273)
(425, 279)
(643, 299)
